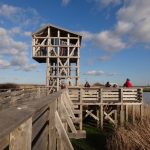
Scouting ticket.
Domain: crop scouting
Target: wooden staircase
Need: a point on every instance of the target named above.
(72, 117)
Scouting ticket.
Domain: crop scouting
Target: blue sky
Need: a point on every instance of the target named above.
(115, 45)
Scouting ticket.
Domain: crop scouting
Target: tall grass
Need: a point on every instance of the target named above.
(132, 136)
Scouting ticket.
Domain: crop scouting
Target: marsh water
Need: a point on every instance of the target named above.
(147, 97)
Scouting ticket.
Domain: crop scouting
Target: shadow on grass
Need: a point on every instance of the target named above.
(95, 139)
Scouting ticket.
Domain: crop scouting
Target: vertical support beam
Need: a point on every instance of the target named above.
(49, 42)
(101, 109)
(33, 44)
(127, 114)
(116, 119)
(59, 142)
(133, 114)
(47, 59)
(47, 71)
(142, 105)
(98, 116)
(38, 92)
(81, 108)
(122, 108)
(20, 138)
(141, 111)
(52, 129)
(62, 133)
(58, 52)
(78, 63)
(68, 45)
(68, 59)
(60, 145)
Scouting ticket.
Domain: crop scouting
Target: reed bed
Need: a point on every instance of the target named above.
(133, 136)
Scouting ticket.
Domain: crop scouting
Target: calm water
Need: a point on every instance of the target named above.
(147, 96)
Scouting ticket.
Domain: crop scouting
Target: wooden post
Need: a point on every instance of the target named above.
(141, 111)
(98, 116)
(39, 92)
(98, 109)
(133, 114)
(122, 108)
(81, 108)
(142, 105)
(101, 109)
(4, 142)
(20, 138)
(62, 133)
(127, 115)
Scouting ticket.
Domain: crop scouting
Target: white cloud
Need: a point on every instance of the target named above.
(14, 49)
(98, 73)
(109, 41)
(65, 2)
(28, 67)
(104, 58)
(123, 27)
(87, 35)
(16, 52)
(9, 46)
(27, 33)
(94, 73)
(19, 31)
(8, 10)
(135, 16)
(4, 64)
(105, 3)
(109, 2)
(18, 15)
(105, 39)
(132, 26)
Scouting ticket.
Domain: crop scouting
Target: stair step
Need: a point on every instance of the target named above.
(80, 134)
(76, 120)
(77, 112)
(76, 106)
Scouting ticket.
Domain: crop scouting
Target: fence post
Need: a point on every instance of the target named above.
(101, 108)
(39, 92)
(81, 108)
(122, 108)
(20, 138)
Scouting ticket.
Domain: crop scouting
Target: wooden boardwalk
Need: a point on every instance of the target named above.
(32, 119)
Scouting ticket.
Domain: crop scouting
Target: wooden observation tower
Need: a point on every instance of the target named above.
(60, 50)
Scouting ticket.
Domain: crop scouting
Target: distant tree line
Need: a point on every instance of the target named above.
(98, 84)
(9, 86)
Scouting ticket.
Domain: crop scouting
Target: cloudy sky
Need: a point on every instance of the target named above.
(115, 45)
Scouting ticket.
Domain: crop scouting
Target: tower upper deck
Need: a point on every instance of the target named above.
(53, 42)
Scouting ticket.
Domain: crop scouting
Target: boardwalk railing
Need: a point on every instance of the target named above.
(106, 95)
(9, 97)
(43, 123)
(113, 104)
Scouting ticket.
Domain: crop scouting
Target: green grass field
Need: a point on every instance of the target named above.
(95, 140)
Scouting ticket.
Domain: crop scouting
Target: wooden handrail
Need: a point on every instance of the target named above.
(106, 95)
(36, 124)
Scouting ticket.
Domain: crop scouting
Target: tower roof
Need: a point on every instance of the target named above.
(54, 27)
